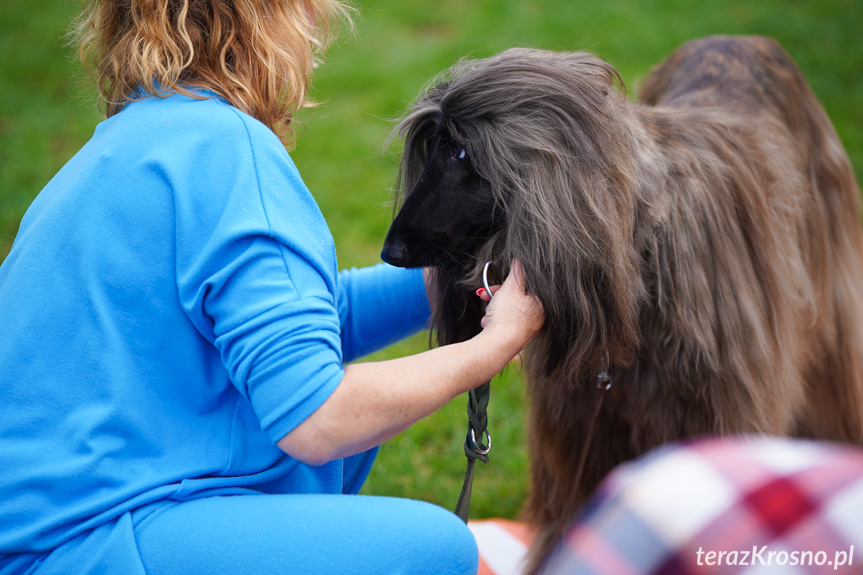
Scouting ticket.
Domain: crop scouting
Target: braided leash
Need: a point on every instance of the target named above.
(477, 404)
(477, 415)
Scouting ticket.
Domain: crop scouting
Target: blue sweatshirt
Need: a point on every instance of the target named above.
(170, 309)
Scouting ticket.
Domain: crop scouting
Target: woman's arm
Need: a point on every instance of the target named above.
(378, 306)
(378, 400)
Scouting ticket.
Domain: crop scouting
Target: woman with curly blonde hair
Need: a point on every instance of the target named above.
(176, 331)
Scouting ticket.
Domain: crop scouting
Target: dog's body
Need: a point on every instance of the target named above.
(705, 243)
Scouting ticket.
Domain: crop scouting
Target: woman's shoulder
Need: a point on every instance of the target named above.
(201, 132)
(201, 111)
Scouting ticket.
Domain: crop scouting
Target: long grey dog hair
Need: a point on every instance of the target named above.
(538, 126)
(704, 243)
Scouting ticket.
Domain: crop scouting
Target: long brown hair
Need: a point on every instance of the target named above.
(257, 54)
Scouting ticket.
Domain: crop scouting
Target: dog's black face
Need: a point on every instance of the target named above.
(448, 214)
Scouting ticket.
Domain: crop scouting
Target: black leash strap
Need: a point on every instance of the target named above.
(477, 414)
(477, 425)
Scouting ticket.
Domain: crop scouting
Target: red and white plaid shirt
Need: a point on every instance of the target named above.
(748, 505)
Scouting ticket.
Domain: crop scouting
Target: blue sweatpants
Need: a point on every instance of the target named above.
(272, 535)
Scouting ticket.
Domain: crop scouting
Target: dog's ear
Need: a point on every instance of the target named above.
(417, 128)
(589, 284)
(571, 216)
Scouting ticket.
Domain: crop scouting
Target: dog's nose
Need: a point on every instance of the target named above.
(394, 253)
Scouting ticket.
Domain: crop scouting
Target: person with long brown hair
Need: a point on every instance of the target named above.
(176, 330)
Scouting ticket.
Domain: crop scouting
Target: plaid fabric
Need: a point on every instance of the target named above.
(753, 505)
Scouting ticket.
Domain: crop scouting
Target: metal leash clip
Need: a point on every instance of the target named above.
(478, 446)
(485, 280)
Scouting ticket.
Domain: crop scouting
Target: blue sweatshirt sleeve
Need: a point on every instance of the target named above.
(256, 272)
(379, 305)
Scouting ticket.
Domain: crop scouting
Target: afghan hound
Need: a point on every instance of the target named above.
(703, 246)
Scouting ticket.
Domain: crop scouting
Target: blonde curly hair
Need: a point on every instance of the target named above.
(257, 54)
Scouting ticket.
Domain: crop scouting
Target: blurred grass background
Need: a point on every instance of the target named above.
(47, 111)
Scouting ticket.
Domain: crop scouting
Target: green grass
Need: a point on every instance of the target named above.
(46, 115)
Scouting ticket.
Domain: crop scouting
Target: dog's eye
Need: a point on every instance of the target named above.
(458, 153)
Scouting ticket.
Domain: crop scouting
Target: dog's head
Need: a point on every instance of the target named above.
(449, 214)
(523, 156)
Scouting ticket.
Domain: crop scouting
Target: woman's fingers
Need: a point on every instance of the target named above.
(515, 272)
(513, 308)
(483, 294)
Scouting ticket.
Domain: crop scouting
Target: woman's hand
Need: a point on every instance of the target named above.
(512, 315)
